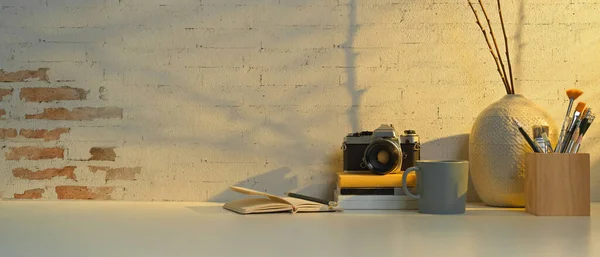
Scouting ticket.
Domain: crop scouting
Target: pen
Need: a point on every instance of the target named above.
(310, 198)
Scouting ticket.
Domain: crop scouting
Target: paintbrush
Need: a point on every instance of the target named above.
(573, 139)
(531, 143)
(580, 130)
(584, 128)
(572, 126)
(572, 94)
(548, 144)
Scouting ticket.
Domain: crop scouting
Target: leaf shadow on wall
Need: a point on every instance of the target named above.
(280, 181)
(275, 182)
(252, 122)
(244, 109)
(351, 55)
(455, 148)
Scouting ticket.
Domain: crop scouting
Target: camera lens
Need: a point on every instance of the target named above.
(382, 156)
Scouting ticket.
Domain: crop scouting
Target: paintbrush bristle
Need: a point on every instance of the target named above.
(574, 93)
(584, 113)
(580, 107)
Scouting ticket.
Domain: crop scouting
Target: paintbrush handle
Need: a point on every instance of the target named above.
(572, 141)
(569, 135)
(548, 143)
(576, 147)
(565, 143)
(585, 125)
(532, 144)
(563, 129)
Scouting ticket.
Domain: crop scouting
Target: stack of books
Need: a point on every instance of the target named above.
(368, 191)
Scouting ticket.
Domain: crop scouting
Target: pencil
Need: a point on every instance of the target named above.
(308, 198)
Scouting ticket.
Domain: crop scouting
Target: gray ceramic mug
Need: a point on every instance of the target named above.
(441, 186)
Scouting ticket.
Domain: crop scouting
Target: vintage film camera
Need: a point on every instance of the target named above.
(380, 151)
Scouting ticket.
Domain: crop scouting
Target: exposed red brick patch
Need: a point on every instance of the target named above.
(49, 94)
(34, 153)
(7, 133)
(67, 172)
(84, 193)
(102, 154)
(42, 133)
(31, 194)
(118, 173)
(79, 113)
(2, 113)
(4, 92)
(24, 75)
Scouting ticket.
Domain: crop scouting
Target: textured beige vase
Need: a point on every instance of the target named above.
(497, 149)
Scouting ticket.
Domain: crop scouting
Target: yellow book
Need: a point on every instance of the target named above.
(373, 180)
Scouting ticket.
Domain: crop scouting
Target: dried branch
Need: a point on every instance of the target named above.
(495, 43)
(504, 81)
(512, 83)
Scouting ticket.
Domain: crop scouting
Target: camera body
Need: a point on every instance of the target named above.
(411, 149)
(378, 151)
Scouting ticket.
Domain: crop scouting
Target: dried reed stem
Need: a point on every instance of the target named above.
(512, 83)
(490, 48)
(495, 44)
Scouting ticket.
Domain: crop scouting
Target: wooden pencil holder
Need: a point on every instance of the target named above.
(557, 184)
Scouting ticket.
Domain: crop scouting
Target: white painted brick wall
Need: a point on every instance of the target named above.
(259, 93)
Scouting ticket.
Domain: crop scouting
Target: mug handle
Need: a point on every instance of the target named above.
(404, 175)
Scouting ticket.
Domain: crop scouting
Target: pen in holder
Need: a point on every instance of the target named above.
(557, 184)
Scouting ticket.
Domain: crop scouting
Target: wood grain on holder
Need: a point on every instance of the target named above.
(557, 184)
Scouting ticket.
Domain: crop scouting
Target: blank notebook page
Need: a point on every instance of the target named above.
(304, 205)
(256, 205)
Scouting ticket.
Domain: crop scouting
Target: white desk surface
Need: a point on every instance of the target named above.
(90, 229)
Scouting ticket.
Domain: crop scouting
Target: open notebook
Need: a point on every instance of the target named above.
(272, 203)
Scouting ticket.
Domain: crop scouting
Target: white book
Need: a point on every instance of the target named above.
(378, 205)
(338, 198)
